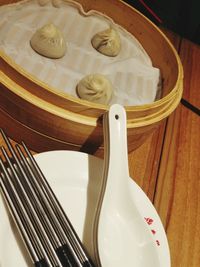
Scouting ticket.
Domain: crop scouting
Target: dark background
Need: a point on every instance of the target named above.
(180, 16)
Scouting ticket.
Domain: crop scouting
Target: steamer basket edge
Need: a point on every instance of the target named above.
(147, 117)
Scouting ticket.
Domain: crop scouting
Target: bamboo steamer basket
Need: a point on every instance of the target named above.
(47, 119)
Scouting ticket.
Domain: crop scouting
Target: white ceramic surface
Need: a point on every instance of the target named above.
(76, 177)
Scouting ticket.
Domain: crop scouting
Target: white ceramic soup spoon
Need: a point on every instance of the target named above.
(123, 237)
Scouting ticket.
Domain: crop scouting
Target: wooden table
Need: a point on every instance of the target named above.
(167, 165)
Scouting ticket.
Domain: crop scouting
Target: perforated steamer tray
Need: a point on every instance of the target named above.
(51, 112)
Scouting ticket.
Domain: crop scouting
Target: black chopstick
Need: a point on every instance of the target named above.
(64, 250)
(58, 253)
(62, 217)
(29, 210)
(37, 194)
(25, 228)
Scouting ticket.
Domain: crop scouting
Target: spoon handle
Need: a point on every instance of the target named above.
(115, 156)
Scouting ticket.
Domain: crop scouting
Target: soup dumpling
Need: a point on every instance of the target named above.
(107, 42)
(48, 41)
(95, 88)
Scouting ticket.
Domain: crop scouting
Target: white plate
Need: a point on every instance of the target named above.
(75, 178)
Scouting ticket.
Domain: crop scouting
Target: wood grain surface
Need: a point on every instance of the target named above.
(178, 187)
(178, 183)
(167, 166)
(190, 56)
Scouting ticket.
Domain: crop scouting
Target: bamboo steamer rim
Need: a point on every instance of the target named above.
(138, 122)
(83, 119)
(173, 97)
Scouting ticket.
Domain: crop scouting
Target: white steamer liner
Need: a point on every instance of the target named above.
(134, 79)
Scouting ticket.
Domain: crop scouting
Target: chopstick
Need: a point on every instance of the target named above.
(28, 210)
(26, 230)
(63, 220)
(51, 220)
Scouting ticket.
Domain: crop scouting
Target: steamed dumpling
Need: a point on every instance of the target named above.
(49, 41)
(96, 88)
(107, 42)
